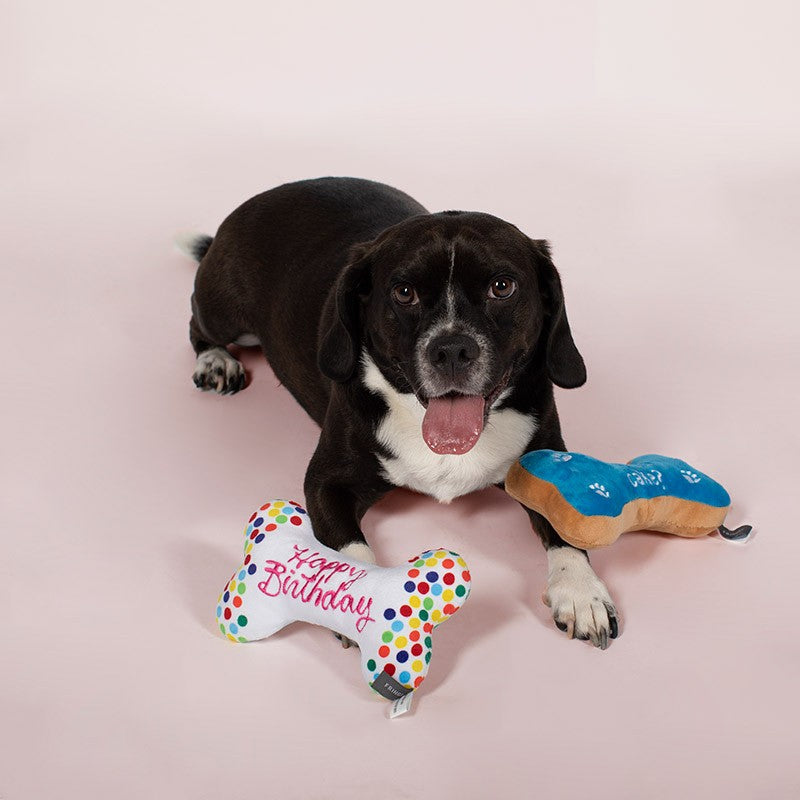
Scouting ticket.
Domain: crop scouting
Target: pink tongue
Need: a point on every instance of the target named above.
(452, 425)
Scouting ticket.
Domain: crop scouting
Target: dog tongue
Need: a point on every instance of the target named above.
(452, 425)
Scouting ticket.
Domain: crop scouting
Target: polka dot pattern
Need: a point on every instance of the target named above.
(431, 583)
(232, 622)
(407, 602)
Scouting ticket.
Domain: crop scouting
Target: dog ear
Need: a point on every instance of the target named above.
(339, 345)
(564, 363)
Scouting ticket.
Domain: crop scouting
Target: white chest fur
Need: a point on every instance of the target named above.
(444, 477)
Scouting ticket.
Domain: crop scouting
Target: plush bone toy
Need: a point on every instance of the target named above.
(390, 612)
(591, 503)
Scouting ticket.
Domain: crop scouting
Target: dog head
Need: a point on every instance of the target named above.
(455, 307)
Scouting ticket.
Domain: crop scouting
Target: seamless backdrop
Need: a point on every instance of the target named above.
(655, 145)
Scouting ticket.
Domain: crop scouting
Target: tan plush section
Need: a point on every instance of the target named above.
(665, 514)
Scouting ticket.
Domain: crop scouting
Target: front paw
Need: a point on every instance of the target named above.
(345, 642)
(578, 599)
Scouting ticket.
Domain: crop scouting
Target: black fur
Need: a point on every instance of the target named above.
(307, 268)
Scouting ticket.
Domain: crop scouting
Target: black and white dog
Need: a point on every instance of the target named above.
(425, 346)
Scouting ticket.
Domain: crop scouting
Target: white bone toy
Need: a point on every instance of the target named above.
(390, 612)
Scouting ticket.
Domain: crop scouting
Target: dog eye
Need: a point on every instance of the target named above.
(502, 288)
(405, 294)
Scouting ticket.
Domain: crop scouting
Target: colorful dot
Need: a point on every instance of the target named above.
(416, 649)
(448, 563)
(247, 560)
(418, 680)
(413, 622)
(419, 562)
(241, 588)
(389, 613)
(387, 636)
(432, 577)
(259, 538)
(412, 573)
(414, 636)
(226, 596)
(436, 589)
(237, 601)
(441, 553)
(222, 627)
(251, 569)
(465, 575)
(383, 651)
(447, 595)
(241, 639)
(389, 669)
(404, 677)
(232, 638)
(436, 615)
(428, 603)
(397, 625)
(271, 527)
(281, 518)
(427, 627)
(401, 642)
(234, 628)
(273, 512)
(227, 613)
(242, 620)
(409, 586)
(422, 587)
(371, 664)
(461, 562)
(423, 614)
(461, 590)
(264, 507)
(431, 562)
(428, 657)
(402, 656)
(279, 504)
(252, 517)
(242, 573)
(295, 520)
(416, 665)
(428, 641)
(219, 611)
(449, 578)
(414, 601)
(405, 611)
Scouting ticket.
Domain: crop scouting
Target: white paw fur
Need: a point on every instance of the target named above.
(579, 601)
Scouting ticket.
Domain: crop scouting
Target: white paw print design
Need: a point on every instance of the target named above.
(562, 457)
(690, 476)
(598, 488)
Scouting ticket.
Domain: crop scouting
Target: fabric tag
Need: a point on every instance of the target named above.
(401, 706)
(387, 686)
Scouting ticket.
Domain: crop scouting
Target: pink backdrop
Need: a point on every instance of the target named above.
(657, 149)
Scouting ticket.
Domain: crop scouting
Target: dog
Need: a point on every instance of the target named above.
(424, 345)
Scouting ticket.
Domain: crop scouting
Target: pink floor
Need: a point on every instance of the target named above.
(658, 150)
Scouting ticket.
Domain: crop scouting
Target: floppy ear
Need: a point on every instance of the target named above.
(339, 345)
(564, 363)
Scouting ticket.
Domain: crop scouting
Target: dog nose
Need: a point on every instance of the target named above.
(453, 353)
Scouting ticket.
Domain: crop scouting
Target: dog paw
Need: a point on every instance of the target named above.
(218, 371)
(345, 642)
(598, 488)
(579, 601)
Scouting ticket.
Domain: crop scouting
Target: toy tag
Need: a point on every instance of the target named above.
(401, 705)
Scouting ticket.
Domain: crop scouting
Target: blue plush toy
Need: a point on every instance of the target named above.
(590, 503)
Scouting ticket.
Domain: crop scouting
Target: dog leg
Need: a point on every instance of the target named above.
(578, 599)
(216, 369)
(334, 506)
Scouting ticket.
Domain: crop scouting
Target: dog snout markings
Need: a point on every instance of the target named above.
(598, 488)
(437, 584)
(690, 476)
